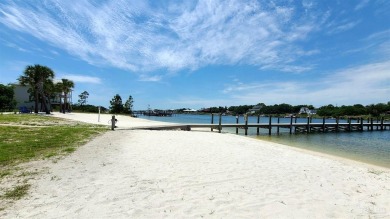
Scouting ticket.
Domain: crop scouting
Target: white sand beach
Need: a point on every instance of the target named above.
(181, 174)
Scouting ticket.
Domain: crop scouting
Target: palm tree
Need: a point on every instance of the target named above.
(66, 87)
(36, 76)
(58, 90)
(50, 91)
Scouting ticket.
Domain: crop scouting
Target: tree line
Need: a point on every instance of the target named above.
(116, 105)
(355, 110)
(283, 109)
(7, 102)
(260, 108)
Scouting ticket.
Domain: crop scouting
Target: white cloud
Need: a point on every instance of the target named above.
(198, 102)
(377, 43)
(365, 84)
(361, 4)
(140, 37)
(81, 78)
(149, 78)
(344, 26)
(12, 45)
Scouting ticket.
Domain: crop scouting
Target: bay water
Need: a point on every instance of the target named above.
(371, 147)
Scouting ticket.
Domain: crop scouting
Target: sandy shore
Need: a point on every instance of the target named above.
(105, 119)
(179, 174)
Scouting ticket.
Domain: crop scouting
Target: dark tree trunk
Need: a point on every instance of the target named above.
(43, 96)
(36, 102)
(65, 102)
(50, 106)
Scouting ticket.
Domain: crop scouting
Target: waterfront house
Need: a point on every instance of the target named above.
(255, 109)
(305, 110)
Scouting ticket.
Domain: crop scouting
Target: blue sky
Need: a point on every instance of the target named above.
(194, 54)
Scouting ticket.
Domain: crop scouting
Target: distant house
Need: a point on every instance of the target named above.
(305, 110)
(255, 109)
(190, 110)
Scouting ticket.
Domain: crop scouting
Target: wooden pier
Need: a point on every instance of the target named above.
(293, 127)
(153, 113)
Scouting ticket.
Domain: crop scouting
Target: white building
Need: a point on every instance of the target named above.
(305, 110)
(24, 99)
(255, 109)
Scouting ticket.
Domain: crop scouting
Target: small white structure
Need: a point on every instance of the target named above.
(255, 109)
(190, 110)
(305, 110)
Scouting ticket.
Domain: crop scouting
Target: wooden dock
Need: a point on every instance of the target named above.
(293, 127)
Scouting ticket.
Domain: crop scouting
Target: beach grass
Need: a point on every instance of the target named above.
(29, 137)
(26, 137)
(28, 119)
(17, 192)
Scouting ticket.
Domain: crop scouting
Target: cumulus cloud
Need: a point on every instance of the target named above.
(139, 36)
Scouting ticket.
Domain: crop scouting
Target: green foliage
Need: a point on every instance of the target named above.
(28, 119)
(7, 102)
(83, 98)
(65, 86)
(38, 77)
(327, 111)
(4, 173)
(355, 110)
(116, 104)
(242, 109)
(378, 109)
(69, 150)
(17, 192)
(88, 108)
(128, 107)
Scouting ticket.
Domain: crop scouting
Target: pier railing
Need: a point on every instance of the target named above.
(292, 126)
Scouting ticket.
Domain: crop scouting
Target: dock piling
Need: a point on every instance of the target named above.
(308, 125)
(295, 127)
(323, 125)
(270, 125)
(349, 124)
(246, 124)
(212, 121)
(382, 123)
(112, 123)
(220, 123)
(237, 118)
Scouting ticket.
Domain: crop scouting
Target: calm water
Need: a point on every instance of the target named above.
(369, 147)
